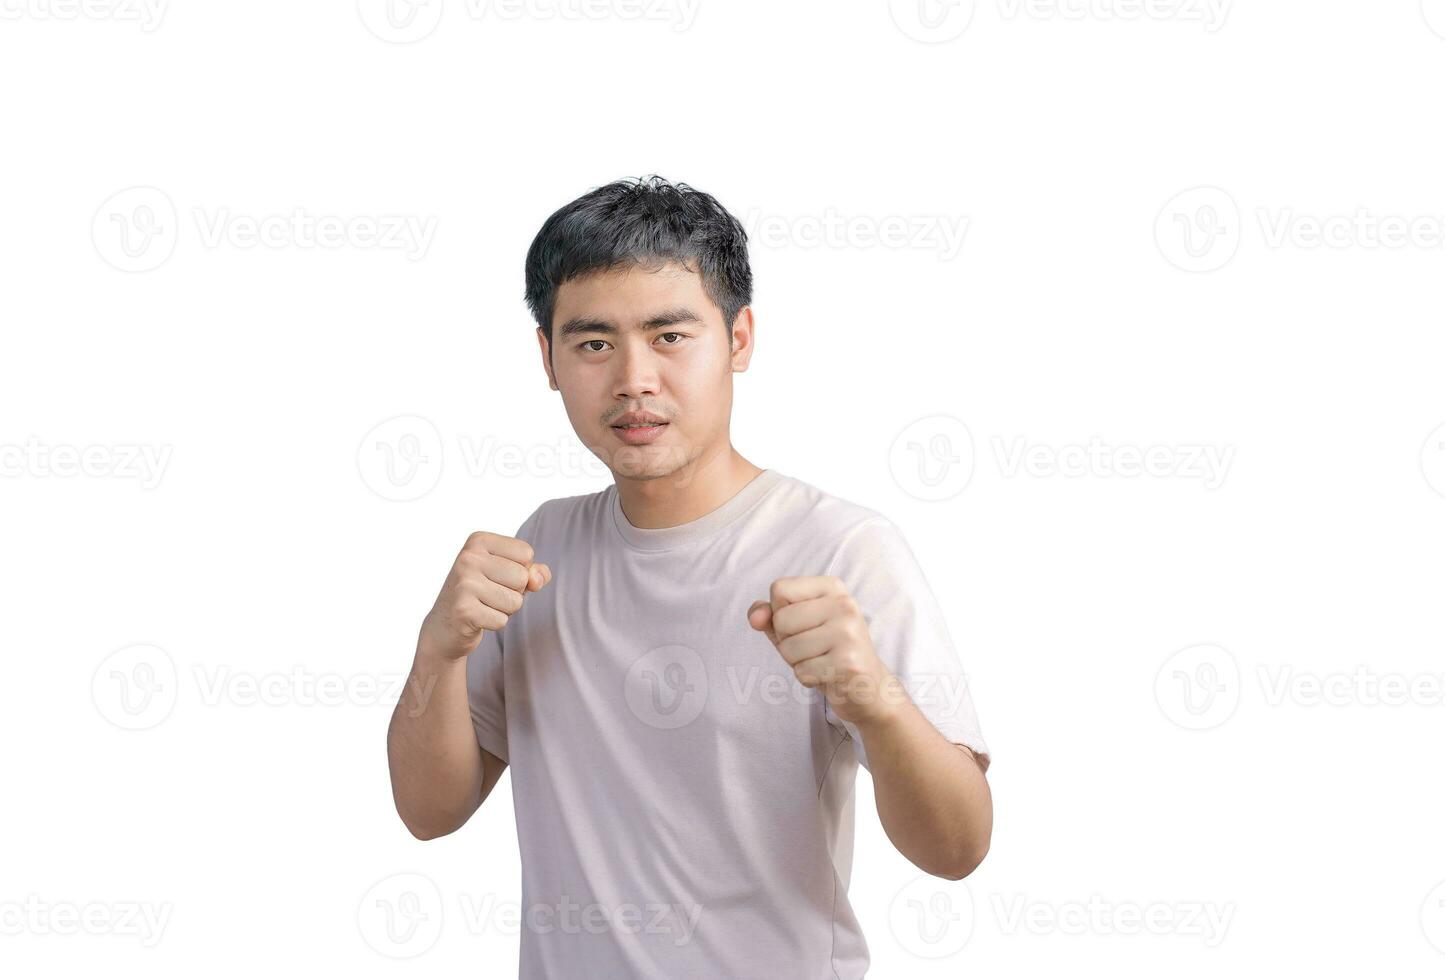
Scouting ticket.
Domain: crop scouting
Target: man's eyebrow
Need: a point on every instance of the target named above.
(583, 324)
(663, 318)
(672, 317)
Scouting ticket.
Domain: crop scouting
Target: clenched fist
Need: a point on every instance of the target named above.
(817, 627)
(485, 587)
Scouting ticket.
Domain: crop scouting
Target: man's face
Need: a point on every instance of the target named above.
(634, 340)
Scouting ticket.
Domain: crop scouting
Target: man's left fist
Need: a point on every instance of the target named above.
(819, 630)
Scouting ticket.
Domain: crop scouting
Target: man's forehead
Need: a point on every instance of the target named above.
(592, 302)
(669, 273)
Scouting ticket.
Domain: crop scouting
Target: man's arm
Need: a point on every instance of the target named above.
(932, 797)
(439, 774)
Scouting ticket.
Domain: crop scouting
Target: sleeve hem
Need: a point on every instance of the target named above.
(491, 742)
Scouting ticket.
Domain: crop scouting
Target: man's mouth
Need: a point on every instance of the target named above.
(639, 428)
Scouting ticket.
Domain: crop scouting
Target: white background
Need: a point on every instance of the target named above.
(1280, 774)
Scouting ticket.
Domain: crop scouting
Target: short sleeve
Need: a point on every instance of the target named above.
(909, 632)
(486, 679)
(486, 693)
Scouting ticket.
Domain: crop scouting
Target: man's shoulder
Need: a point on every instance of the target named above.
(826, 517)
(558, 513)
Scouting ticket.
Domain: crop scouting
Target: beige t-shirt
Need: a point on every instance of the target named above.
(684, 806)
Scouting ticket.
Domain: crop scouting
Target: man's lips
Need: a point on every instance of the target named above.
(636, 434)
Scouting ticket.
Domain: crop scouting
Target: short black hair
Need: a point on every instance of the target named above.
(646, 222)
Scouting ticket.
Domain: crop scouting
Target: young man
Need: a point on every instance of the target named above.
(685, 669)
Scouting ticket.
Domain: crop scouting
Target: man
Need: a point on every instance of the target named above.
(684, 670)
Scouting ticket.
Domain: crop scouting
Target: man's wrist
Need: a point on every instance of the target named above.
(886, 706)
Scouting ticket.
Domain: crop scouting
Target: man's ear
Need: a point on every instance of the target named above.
(742, 339)
(547, 359)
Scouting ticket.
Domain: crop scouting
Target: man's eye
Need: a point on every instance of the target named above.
(671, 333)
(593, 350)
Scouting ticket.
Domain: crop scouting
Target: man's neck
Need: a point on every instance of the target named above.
(692, 491)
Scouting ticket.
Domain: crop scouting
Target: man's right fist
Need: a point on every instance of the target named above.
(486, 585)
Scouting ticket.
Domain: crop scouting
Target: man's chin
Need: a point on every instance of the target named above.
(651, 462)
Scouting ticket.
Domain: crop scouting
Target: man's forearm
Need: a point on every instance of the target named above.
(436, 763)
(932, 797)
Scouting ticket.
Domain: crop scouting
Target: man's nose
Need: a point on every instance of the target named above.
(637, 372)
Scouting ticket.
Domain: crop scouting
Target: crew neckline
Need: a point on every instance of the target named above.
(667, 538)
